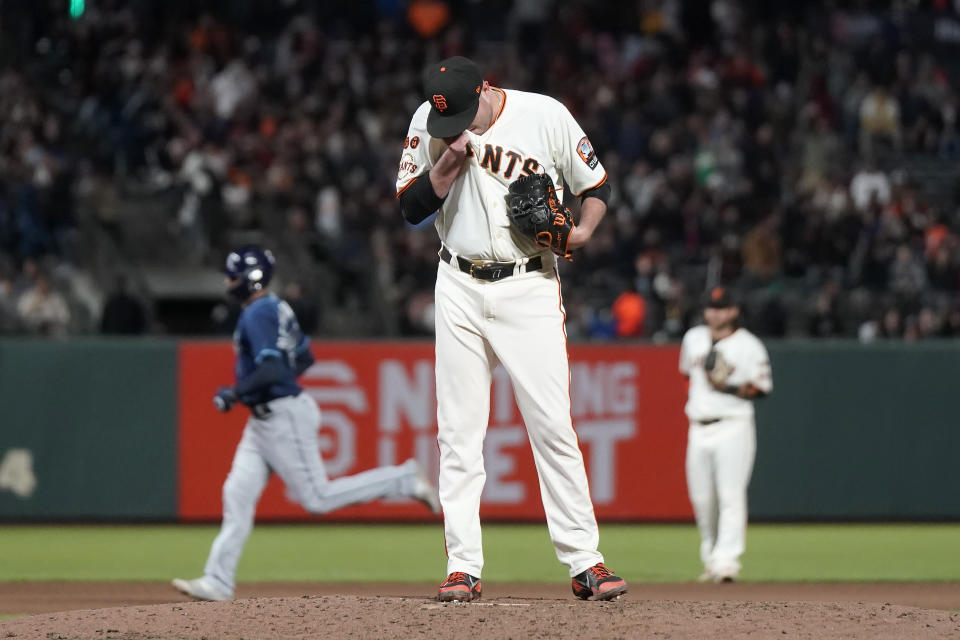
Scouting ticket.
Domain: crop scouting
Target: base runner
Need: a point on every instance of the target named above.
(281, 433)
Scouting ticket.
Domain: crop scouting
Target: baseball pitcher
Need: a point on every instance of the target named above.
(493, 162)
(281, 433)
(728, 368)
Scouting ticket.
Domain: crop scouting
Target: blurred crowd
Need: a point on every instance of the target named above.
(798, 153)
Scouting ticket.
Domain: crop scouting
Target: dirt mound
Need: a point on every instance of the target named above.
(44, 597)
(339, 616)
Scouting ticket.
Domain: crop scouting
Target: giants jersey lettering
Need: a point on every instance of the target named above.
(531, 134)
(744, 352)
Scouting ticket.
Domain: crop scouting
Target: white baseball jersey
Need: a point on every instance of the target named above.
(517, 322)
(745, 354)
(473, 221)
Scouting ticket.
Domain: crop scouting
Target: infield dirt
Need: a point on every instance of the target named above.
(274, 610)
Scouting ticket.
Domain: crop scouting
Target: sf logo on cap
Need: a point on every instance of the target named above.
(439, 102)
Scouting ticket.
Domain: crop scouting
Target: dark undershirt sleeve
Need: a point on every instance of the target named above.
(418, 201)
(600, 193)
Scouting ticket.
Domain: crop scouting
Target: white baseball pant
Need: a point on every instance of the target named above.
(519, 322)
(286, 442)
(719, 463)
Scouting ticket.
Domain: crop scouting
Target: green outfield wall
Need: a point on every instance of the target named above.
(89, 430)
(856, 432)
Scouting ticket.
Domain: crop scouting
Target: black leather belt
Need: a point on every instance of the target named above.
(490, 271)
(704, 423)
(263, 411)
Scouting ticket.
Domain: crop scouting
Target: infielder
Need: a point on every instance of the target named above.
(281, 433)
(481, 156)
(728, 367)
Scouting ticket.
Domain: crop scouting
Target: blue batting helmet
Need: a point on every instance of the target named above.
(252, 266)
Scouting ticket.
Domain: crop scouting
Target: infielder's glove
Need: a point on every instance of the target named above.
(224, 399)
(536, 211)
(717, 368)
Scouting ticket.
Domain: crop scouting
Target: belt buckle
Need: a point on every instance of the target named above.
(473, 265)
(495, 274)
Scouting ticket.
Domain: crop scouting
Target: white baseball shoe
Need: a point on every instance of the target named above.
(423, 489)
(706, 576)
(725, 578)
(201, 589)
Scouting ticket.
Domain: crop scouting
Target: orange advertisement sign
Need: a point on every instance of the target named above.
(378, 406)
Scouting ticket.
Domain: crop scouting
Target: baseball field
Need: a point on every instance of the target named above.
(299, 581)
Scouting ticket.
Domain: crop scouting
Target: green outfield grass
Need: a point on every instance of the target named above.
(329, 552)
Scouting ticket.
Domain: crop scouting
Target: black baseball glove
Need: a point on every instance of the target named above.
(536, 211)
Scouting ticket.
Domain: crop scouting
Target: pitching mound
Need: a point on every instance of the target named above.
(399, 617)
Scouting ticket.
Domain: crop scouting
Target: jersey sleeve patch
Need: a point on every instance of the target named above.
(408, 167)
(586, 153)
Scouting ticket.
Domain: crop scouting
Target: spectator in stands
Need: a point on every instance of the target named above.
(943, 272)
(929, 323)
(762, 250)
(891, 325)
(825, 320)
(418, 315)
(27, 279)
(879, 121)
(821, 154)
(8, 307)
(428, 17)
(304, 309)
(908, 277)
(43, 310)
(951, 323)
(869, 186)
(276, 122)
(629, 312)
(123, 314)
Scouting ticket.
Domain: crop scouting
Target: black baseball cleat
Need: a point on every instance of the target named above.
(598, 583)
(460, 587)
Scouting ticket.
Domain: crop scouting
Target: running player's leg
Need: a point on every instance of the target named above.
(464, 368)
(293, 451)
(701, 486)
(528, 336)
(241, 491)
(734, 464)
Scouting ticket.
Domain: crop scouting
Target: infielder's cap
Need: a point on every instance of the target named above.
(720, 298)
(452, 87)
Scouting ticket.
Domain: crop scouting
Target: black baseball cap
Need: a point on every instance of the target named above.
(452, 88)
(720, 298)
